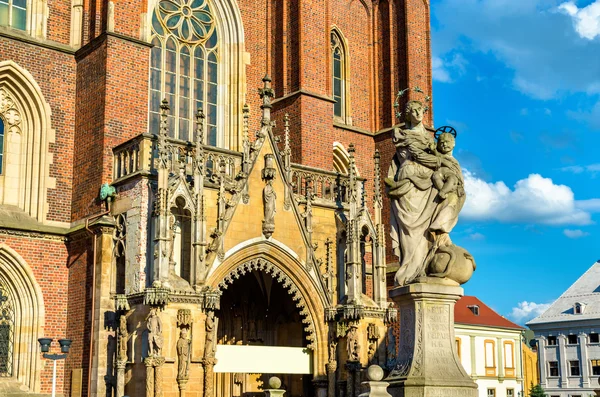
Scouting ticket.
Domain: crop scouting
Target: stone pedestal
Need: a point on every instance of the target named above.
(120, 378)
(427, 363)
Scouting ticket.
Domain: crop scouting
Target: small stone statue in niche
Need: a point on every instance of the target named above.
(123, 335)
(183, 354)
(155, 337)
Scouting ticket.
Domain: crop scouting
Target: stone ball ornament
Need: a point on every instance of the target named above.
(274, 382)
(375, 373)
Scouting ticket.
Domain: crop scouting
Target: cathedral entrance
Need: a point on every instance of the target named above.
(261, 334)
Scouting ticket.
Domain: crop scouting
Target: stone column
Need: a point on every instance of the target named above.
(149, 361)
(584, 363)
(209, 388)
(500, 350)
(427, 362)
(562, 360)
(120, 378)
(158, 379)
(542, 360)
(182, 383)
(331, 368)
(473, 358)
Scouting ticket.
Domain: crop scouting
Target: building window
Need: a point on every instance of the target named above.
(552, 341)
(338, 55)
(594, 338)
(578, 308)
(574, 368)
(595, 367)
(572, 340)
(183, 67)
(1, 147)
(13, 13)
(553, 368)
(490, 358)
(458, 349)
(491, 392)
(510, 392)
(509, 358)
(6, 333)
(474, 309)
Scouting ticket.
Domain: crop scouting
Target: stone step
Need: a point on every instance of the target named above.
(13, 388)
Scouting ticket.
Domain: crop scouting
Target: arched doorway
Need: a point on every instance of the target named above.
(259, 316)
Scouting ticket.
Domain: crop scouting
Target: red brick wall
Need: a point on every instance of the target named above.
(54, 72)
(89, 138)
(47, 259)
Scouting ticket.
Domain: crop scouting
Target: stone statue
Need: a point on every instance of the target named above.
(209, 346)
(123, 335)
(426, 190)
(269, 196)
(155, 337)
(183, 354)
(352, 344)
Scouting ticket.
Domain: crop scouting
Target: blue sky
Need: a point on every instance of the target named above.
(520, 81)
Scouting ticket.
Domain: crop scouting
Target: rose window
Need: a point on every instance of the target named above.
(188, 20)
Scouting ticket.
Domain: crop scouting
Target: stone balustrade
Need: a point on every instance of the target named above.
(139, 155)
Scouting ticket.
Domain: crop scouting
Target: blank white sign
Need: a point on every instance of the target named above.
(263, 359)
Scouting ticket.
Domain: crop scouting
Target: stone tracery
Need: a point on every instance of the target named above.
(264, 265)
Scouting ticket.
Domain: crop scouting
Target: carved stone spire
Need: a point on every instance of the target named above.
(199, 224)
(287, 162)
(266, 94)
(163, 151)
(245, 140)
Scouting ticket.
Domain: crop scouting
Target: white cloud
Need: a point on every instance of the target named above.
(439, 72)
(580, 169)
(549, 58)
(447, 69)
(526, 311)
(586, 19)
(476, 236)
(533, 200)
(575, 233)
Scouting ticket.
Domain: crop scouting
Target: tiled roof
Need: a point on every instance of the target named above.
(487, 317)
(586, 290)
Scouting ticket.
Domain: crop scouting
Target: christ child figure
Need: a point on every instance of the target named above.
(449, 176)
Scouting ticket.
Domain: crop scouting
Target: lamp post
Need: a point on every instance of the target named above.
(65, 344)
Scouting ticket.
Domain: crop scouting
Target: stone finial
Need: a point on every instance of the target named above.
(274, 388)
(266, 94)
(376, 388)
(200, 126)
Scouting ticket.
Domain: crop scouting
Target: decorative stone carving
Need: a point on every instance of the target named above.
(353, 344)
(10, 113)
(426, 188)
(390, 350)
(269, 196)
(372, 338)
(155, 337)
(184, 318)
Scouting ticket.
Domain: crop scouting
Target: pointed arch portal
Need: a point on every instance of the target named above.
(265, 329)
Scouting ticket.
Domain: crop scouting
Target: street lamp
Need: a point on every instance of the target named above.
(45, 343)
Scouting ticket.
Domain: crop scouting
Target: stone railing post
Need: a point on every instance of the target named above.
(274, 388)
(376, 388)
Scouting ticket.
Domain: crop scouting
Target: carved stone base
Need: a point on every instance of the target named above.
(427, 363)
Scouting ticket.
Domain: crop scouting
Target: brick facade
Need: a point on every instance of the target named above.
(98, 97)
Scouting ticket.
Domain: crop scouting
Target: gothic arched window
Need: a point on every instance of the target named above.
(7, 320)
(13, 13)
(183, 66)
(338, 56)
